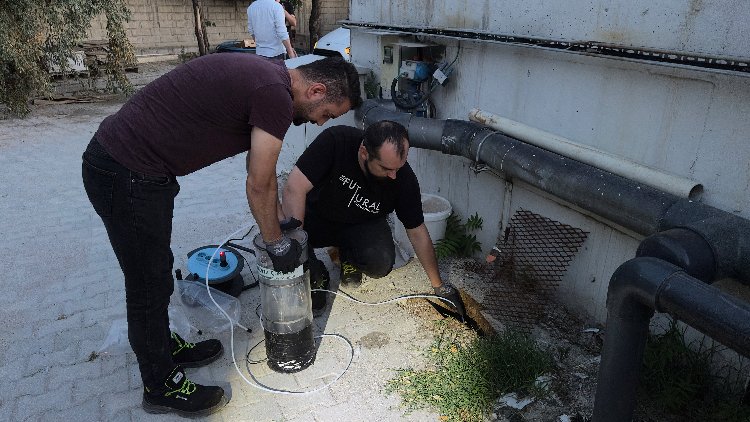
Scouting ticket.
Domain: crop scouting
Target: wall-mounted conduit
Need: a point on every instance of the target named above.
(736, 65)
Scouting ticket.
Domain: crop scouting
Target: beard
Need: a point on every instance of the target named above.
(377, 183)
(301, 112)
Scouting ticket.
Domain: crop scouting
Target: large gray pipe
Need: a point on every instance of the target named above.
(638, 207)
(637, 289)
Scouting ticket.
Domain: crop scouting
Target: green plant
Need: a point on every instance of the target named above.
(371, 85)
(680, 377)
(35, 34)
(465, 380)
(458, 240)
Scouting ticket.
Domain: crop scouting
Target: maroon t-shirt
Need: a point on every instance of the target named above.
(199, 113)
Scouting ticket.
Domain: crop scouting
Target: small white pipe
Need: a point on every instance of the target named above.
(666, 182)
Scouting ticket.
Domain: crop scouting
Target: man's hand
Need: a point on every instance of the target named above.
(450, 293)
(284, 254)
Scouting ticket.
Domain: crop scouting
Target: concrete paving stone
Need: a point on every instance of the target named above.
(79, 305)
(31, 385)
(264, 410)
(132, 373)
(89, 288)
(88, 410)
(60, 323)
(33, 405)
(300, 405)
(6, 409)
(43, 361)
(116, 382)
(97, 321)
(118, 406)
(116, 298)
(123, 415)
(82, 372)
(14, 369)
(56, 342)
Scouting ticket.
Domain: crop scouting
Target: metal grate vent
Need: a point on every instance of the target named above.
(534, 255)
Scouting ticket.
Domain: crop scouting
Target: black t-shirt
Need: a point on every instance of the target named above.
(199, 113)
(343, 194)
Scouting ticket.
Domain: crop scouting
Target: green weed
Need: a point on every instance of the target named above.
(465, 380)
(680, 378)
(458, 240)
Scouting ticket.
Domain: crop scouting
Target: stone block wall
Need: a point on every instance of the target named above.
(168, 26)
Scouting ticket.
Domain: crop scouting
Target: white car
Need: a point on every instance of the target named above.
(333, 44)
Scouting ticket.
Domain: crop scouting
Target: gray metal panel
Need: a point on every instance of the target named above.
(710, 27)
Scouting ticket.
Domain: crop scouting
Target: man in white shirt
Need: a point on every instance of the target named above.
(266, 23)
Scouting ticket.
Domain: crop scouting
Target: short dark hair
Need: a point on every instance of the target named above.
(385, 131)
(339, 76)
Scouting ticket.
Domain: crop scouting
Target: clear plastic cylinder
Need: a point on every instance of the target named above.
(286, 310)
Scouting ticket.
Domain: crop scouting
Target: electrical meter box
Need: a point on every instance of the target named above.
(416, 71)
(407, 69)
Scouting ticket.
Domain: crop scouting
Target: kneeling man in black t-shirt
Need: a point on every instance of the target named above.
(343, 187)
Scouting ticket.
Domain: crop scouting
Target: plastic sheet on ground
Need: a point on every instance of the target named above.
(191, 310)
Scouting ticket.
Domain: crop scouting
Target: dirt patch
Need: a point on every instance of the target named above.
(374, 340)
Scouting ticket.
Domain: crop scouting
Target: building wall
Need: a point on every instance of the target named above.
(689, 122)
(168, 26)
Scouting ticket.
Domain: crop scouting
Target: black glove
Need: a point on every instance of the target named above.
(290, 223)
(284, 254)
(447, 291)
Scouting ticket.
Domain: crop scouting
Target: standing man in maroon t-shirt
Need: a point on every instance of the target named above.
(201, 112)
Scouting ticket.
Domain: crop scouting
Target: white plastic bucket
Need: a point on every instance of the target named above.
(436, 210)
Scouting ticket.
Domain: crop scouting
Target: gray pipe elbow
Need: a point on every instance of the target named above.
(635, 286)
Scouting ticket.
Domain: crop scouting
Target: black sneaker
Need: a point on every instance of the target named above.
(184, 397)
(319, 279)
(351, 276)
(193, 355)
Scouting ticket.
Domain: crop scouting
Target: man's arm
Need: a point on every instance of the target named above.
(289, 49)
(279, 24)
(420, 240)
(290, 19)
(295, 193)
(260, 187)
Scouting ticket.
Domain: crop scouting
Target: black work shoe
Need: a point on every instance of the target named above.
(184, 397)
(193, 355)
(319, 279)
(351, 276)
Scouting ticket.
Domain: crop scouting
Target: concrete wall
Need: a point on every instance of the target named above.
(689, 122)
(167, 26)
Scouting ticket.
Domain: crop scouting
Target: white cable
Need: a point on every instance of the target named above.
(231, 337)
(257, 383)
(395, 299)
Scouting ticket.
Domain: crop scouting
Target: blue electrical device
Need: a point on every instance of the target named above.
(223, 269)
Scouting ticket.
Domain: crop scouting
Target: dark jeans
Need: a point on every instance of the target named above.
(137, 212)
(368, 246)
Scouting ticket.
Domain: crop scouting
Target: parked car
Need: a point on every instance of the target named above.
(335, 43)
(236, 46)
